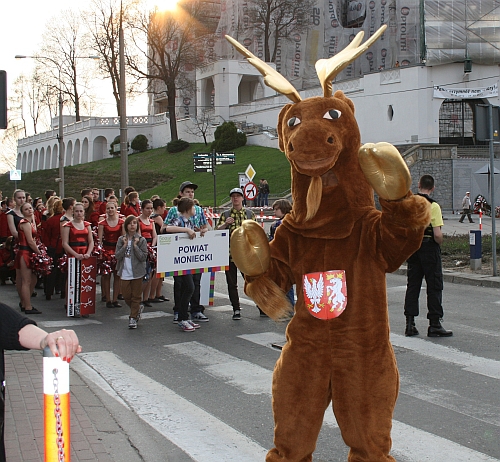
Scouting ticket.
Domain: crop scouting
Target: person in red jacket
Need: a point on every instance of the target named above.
(91, 215)
(7, 270)
(131, 205)
(7, 204)
(52, 239)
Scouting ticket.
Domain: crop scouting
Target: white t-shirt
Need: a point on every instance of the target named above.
(127, 273)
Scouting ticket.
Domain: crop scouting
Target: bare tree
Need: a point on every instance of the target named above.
(202, 124)
(16, 104)
(172, 49)
(62, 50)
(278, 20)
(103, 24)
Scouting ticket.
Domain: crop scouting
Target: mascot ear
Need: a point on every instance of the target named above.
(340, 95)
(280, 125)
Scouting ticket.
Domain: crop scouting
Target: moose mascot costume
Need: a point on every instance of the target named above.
(337, 247)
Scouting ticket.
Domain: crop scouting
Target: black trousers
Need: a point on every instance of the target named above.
(232, 285)
(186, 292)
(468, 213)
(425, 263)
(195, 298)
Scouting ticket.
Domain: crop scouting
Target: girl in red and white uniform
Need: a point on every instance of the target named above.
(148, 231)
(14, 217)
(27, 246)
(76, 235)
(109, 230)
(91, 215)
(132, 206)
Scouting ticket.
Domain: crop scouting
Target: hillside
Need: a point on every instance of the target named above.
(158, 172)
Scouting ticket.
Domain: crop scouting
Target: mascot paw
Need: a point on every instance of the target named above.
(269, 297)
(250, 249)
(385, 170)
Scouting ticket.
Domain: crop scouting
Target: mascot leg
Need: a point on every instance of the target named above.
(301, 394)
(364, 397)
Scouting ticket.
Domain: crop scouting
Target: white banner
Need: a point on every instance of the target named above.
(465, 93)
(177, 254)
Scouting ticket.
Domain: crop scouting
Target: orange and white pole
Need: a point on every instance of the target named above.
(480, 218)
(56, 407)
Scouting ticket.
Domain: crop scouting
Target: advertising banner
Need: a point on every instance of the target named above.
(465, 93)
(81, 287)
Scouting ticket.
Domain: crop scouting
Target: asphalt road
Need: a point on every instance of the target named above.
(206, 396)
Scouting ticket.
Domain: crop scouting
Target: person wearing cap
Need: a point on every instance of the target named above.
(187, 189)
(231, 220)
(467, 208)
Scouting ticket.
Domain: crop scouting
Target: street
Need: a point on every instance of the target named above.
(206, 396)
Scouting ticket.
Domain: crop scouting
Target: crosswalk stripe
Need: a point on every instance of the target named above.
(409, 443)
(150, 315)
(469, 362)
(68, 322)
(177, 419)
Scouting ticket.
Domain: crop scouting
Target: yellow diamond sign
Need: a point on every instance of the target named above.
(250, 172)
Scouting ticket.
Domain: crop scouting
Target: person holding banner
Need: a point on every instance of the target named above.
(184, 224)
(187, 189)
(109, 230)
(131, 253)
(18, 332)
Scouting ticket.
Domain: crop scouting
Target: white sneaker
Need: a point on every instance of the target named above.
(186, 326)
(132, 323)
(196, 326)
(176, 318)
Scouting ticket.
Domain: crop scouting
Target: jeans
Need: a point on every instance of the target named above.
(195, 299)
(232, 285)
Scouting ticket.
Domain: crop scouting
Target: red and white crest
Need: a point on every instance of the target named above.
(325, 293)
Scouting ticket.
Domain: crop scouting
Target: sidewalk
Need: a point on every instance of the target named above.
(102, 431)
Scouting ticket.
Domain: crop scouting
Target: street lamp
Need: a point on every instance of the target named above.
(60, 134)
(123, 108)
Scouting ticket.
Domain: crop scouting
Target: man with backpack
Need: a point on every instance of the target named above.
(231, 220)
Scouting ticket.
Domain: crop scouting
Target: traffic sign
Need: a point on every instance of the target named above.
(250, 191)
(202, 162)
(250, 172)
(223, 158)
(15, 175)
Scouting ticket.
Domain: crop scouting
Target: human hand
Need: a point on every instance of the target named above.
(136, 240)
(385, 170)
(62, 343)
(230, 221)
(79, 256)
(190, 233)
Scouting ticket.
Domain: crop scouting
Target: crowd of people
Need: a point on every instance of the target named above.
(46, 231)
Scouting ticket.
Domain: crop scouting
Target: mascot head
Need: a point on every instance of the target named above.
(320, 138)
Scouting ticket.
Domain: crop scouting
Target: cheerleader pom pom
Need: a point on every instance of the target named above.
(63, 264)
(41, 264)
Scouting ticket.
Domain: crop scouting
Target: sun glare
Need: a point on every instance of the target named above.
(166, 5)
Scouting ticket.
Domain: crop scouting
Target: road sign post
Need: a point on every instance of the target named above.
(250, 191)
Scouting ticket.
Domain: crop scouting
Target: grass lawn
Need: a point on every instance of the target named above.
(158, 172)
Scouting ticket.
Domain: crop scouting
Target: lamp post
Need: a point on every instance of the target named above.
(123, 108)
(60, 134)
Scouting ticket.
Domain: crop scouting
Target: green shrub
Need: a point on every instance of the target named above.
(140, 143)
(227, 137)
(112, 145)
(177, 146)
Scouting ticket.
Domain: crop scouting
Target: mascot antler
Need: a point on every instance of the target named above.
(272, 78)
(327, 69)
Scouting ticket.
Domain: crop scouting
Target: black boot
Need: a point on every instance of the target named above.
(437, 330)
(410, 330)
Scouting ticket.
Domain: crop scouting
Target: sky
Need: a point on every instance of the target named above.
(23, 24)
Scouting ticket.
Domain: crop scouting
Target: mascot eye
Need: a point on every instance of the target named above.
(332, 114)
(293, 121)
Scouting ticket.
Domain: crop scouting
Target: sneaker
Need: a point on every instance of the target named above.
(236, 315)
(185, 326)
(141, 309)
(196, 326)
(200, 317)
(132, 323)
(176, 318)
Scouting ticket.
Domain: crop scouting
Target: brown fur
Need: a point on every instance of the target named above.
(334, 225)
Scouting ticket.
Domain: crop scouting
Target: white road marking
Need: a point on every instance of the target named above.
(222, 308)
(68, 322)
(199, 434)
(469, 362)
(396, 289)
(265, 339)
(150, 315)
